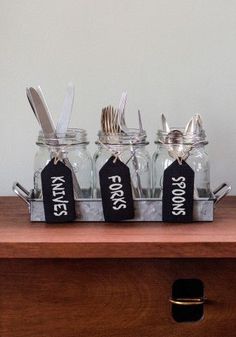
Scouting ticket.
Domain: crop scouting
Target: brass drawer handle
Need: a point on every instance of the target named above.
(188, 301)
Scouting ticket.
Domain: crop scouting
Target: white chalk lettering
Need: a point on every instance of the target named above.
(61, 179)
(60, 199)
(115, 187)
(55, 193)
(119, 207)
(114, 178)
(178, 199)
(61, 213)
(117, 193)
(58, 192)
(178, 192)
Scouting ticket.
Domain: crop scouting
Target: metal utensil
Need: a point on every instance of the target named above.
(194, 126)
(45, 106)
(28, 94)
(165, 125)
(64, 119)
(109, 121)
(48, 129)
(44, 117)
(121, 118)
(141, 130)
(121, 111)
(175, 140)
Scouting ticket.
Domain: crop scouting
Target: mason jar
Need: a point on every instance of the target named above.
(189, 147)
(72, 149)
(131, 150)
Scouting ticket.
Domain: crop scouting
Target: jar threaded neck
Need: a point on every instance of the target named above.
(73, 136)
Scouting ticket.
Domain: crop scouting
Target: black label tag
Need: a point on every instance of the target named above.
(58, 194)
(116, 191)
(178, 185)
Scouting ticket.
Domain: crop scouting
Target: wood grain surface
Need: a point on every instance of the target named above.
(19, 238)
(111, 298)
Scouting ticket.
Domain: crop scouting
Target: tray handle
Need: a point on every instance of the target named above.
(225, 188)
(21, 192)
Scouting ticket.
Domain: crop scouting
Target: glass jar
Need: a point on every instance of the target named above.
(131, 150)
(190, 147)
(72, 148)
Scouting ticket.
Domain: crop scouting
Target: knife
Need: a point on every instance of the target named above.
(48, 128)
(28, 94)
(64, 119)
(44, 117)
(41, 95)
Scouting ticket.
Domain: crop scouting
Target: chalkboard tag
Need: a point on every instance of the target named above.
(178, 186)
(116, 192)
(58, 194)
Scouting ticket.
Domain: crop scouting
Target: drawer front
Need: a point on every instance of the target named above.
(112, 297)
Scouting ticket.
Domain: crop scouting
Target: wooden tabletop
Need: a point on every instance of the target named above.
(19, 238)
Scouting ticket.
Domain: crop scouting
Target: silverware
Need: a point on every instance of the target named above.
(109, 121)
(48, 128)
(180, 143)
(28, 94)
(121, 113)
(44, 103)
(165, 125)
(113, 123)
(175, 138)
(141, 130)
(194, 126)
(44, 117)
(64, 119)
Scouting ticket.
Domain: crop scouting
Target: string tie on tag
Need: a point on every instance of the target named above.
(115, 154)
(58, 156)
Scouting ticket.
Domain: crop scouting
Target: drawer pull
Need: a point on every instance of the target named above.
(187, 301)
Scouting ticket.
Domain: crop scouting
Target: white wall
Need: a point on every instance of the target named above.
(177, 57)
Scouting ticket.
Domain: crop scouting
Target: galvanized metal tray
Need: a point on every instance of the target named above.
(145, 209)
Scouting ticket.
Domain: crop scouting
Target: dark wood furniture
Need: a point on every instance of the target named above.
(113, 280)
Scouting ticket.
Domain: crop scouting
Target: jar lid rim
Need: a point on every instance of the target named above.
(73, 135)
(134, 136)
(178, 135)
